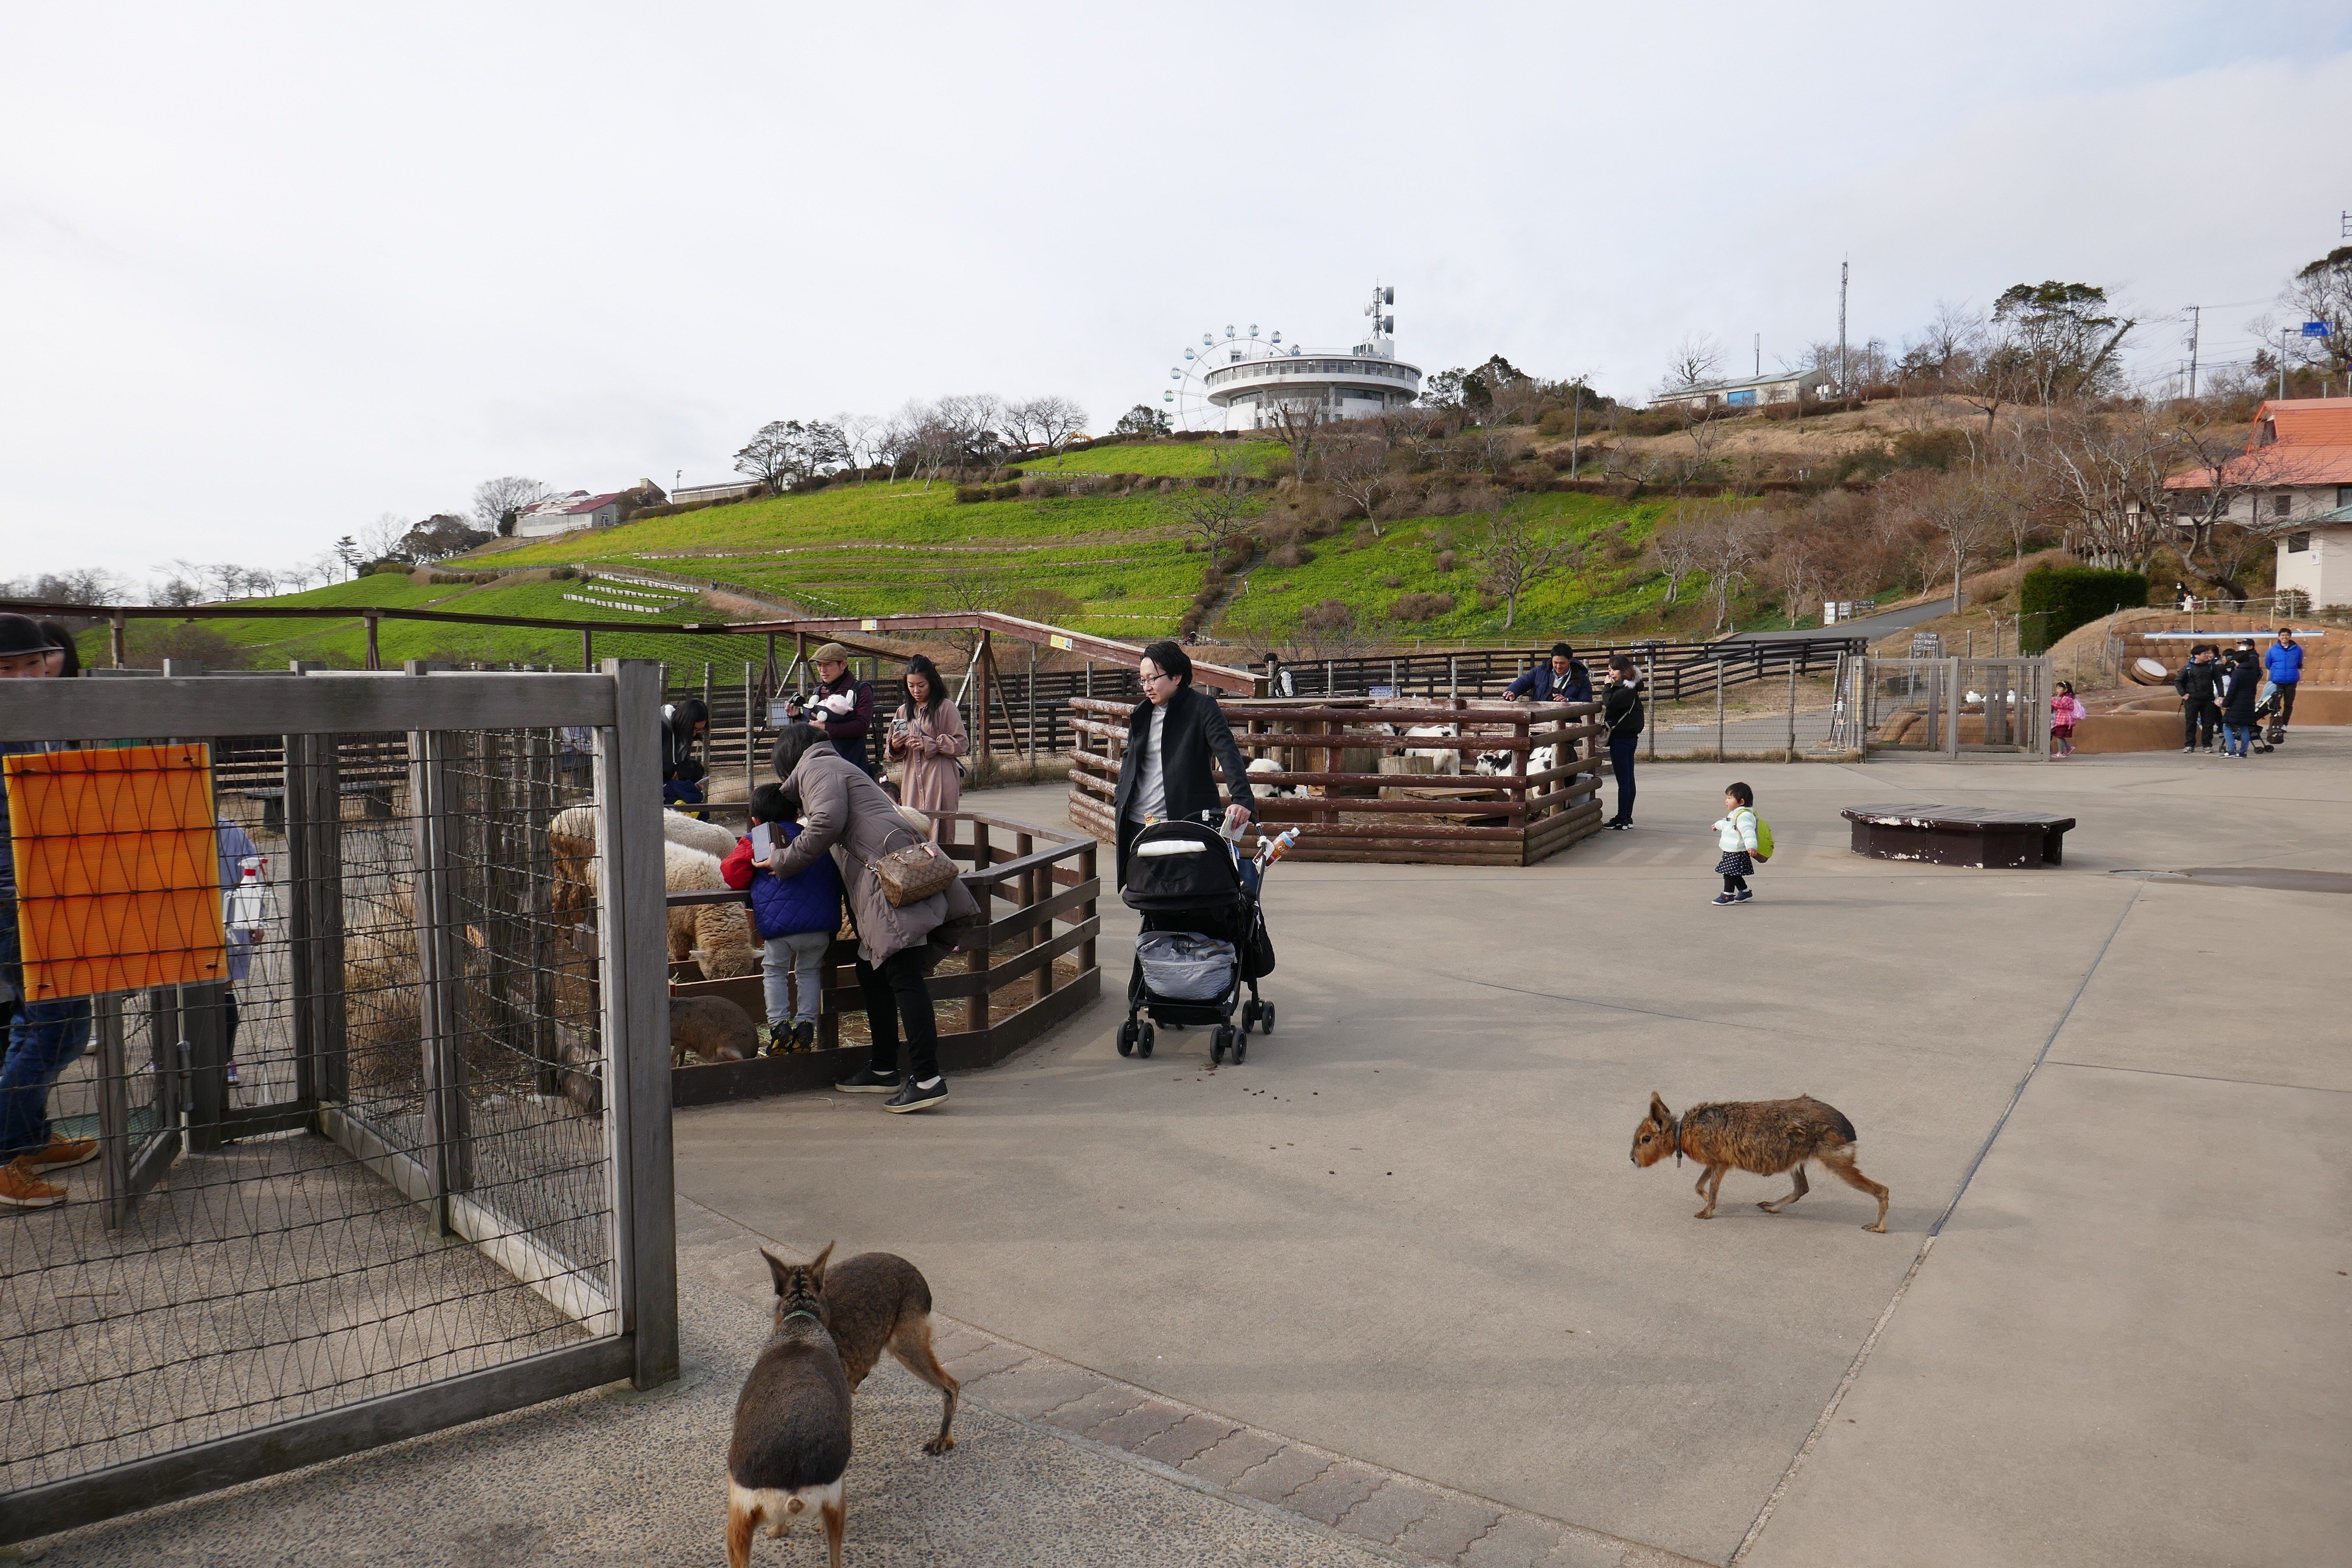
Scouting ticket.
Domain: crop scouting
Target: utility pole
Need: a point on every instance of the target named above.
(1842, 388)
(1760, 356)
(2196, 319)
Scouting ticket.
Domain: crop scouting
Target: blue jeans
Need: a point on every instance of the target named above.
(800, 955)
(43, 1041)
(2236, 738)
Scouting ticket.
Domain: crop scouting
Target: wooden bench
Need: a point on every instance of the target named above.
(1959, 835)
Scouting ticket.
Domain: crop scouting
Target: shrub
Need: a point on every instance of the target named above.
(1291, 554)
(1391, 582)
(967, 494)
(1191, 435)
(1445, 561)
(1420, 607)
(1330, 616)
(561, 573)
(2054, 599)
(1927, 448)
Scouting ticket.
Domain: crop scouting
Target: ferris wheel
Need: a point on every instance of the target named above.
(1186, 399)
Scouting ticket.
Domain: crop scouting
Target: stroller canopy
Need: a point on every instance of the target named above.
(1182, 865)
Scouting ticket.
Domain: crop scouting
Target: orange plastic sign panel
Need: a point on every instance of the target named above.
(118, 871)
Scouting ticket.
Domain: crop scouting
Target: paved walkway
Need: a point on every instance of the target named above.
(1390, 1291)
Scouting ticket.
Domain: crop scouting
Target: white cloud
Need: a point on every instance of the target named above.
(275, 271)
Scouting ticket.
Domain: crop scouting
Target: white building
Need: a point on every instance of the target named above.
(561, 514)
(1754, 392)
(2293, 482)
(1243, 383)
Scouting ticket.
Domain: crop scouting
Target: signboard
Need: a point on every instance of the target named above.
(1380, 691)
(1060, 642)
(2315, 329)
(869, 626)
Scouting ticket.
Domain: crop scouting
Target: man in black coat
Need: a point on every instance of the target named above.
(2199, 682)
(1171, 739)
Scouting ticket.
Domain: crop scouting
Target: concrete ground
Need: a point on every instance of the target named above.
(1406, 1231)
(1390, 1291)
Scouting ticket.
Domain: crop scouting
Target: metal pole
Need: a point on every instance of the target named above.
(587, 651)
(117, 639)
(1649, 685)
(1793, 713)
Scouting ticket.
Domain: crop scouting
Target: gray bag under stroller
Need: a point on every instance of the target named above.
(1184, 966)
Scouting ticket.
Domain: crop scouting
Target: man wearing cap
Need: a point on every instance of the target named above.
(44, 1037)
(843, 707)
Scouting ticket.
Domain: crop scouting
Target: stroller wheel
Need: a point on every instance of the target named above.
(1217, 1045)
(1143, 1042)
(1266, 1018)
(1127, 1033)
(1240, 1050)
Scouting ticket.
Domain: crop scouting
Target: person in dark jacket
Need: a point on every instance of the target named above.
(2242, 684)
(2199, 682)
(1560, 678)
(796, 917)
(842, 707)
(684, 726)
(1621, 712)
(1174, 734)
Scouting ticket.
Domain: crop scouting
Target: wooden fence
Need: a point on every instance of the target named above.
(1361, 799)
(1032, 966)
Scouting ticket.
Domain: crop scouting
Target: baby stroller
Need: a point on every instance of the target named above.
(1203, 940)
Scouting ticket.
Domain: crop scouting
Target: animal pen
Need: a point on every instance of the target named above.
(351, 1186)
(1360, 787)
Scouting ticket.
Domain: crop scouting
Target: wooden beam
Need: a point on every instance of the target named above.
(320, 702)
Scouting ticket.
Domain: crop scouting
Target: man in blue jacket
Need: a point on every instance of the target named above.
(1560, 678)
(2283, 662)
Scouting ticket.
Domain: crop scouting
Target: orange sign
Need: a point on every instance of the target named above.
(118, 869)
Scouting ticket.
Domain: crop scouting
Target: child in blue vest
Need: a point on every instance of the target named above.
(796, 917)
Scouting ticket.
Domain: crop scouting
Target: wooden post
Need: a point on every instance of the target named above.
(751, 725)
(1088, 860)
(587, 651)
(1791, 755)
(976, 1005)
(116, 621)
(374, 660)
(981, 657)
(1032, 711)
(1718, 710)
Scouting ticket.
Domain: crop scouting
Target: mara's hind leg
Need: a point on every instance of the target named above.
(836, 1517)
(1709, 1186)
(1840, 1164)
(911, 1347)
(1802, 1189)
(741, 1522)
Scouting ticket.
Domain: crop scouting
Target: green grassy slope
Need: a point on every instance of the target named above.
(1160, 459)
(878, 549)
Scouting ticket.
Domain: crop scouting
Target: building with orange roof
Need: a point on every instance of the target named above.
(2294, 481)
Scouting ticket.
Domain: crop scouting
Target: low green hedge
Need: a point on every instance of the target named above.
(2056, 599)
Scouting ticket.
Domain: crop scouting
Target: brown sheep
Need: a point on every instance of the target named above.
(1765, 1136)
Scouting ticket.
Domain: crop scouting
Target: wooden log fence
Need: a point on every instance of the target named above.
(1353, 808)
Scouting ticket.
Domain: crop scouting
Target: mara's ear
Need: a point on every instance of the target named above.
(816, 1267)
(1658, 1110)
(778, 1269)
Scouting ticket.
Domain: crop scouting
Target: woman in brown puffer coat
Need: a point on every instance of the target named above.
(842, 810)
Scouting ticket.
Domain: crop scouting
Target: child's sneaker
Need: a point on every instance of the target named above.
(804, 1036)
(22, 1187)
(1742, 896)
(1725, 898)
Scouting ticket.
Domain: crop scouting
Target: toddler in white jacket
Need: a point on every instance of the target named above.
(1735, 836)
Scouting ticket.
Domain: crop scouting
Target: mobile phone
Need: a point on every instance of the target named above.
(762, 843)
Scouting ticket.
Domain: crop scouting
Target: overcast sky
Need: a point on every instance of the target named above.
(269, 272)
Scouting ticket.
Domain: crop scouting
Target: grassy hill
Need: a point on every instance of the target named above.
(1119, 557)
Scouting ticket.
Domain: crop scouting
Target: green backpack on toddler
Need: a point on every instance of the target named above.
(1763, 835)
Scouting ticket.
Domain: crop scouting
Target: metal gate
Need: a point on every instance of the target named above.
(342, 1198)
(1954, 705)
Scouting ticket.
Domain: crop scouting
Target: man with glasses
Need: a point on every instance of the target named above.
(1171, 739)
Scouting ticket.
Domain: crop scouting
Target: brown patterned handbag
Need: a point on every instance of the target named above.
(921, 870)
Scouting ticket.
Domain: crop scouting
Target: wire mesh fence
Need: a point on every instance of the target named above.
(291, 1070)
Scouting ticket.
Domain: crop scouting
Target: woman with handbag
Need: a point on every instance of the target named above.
(901, 889)
(927, 741)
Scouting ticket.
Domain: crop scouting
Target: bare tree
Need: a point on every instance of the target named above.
(2323, 292)
(965, 589)
(858, 433)
(498, 502)
(1694, 360)
(1298, 424)
(1357, 470)
(226, 577)
(1674, 547)
(1218, 510)
(1515, 557)
(1797, 565)
(380, 540)
(1057, 419)
(1725, 547)
(976, 420)
(1962, 514)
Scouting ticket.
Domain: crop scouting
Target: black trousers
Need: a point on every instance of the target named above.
(2198, 724)
(895, 998)
(1621, 762)
(2284, 694)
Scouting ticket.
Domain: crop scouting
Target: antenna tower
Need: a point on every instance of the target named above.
(1844, 389)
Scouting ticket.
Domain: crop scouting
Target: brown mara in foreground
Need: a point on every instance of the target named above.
(1766, 1136)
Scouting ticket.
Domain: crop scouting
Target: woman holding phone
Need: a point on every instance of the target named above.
(927, 737)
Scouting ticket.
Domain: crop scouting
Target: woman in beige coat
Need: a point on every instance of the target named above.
(844, 813)
(926, 736)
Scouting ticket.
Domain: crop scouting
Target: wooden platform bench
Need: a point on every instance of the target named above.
(1959, 835)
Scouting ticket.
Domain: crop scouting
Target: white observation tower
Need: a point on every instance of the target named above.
(1240, 383)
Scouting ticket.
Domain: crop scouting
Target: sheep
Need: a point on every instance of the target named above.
(718, 937)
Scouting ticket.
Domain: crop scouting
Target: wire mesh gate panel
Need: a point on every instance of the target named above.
(1954, 705)
(383, 1175)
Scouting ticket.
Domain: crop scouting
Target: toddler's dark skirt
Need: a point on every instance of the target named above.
(1735, 863)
